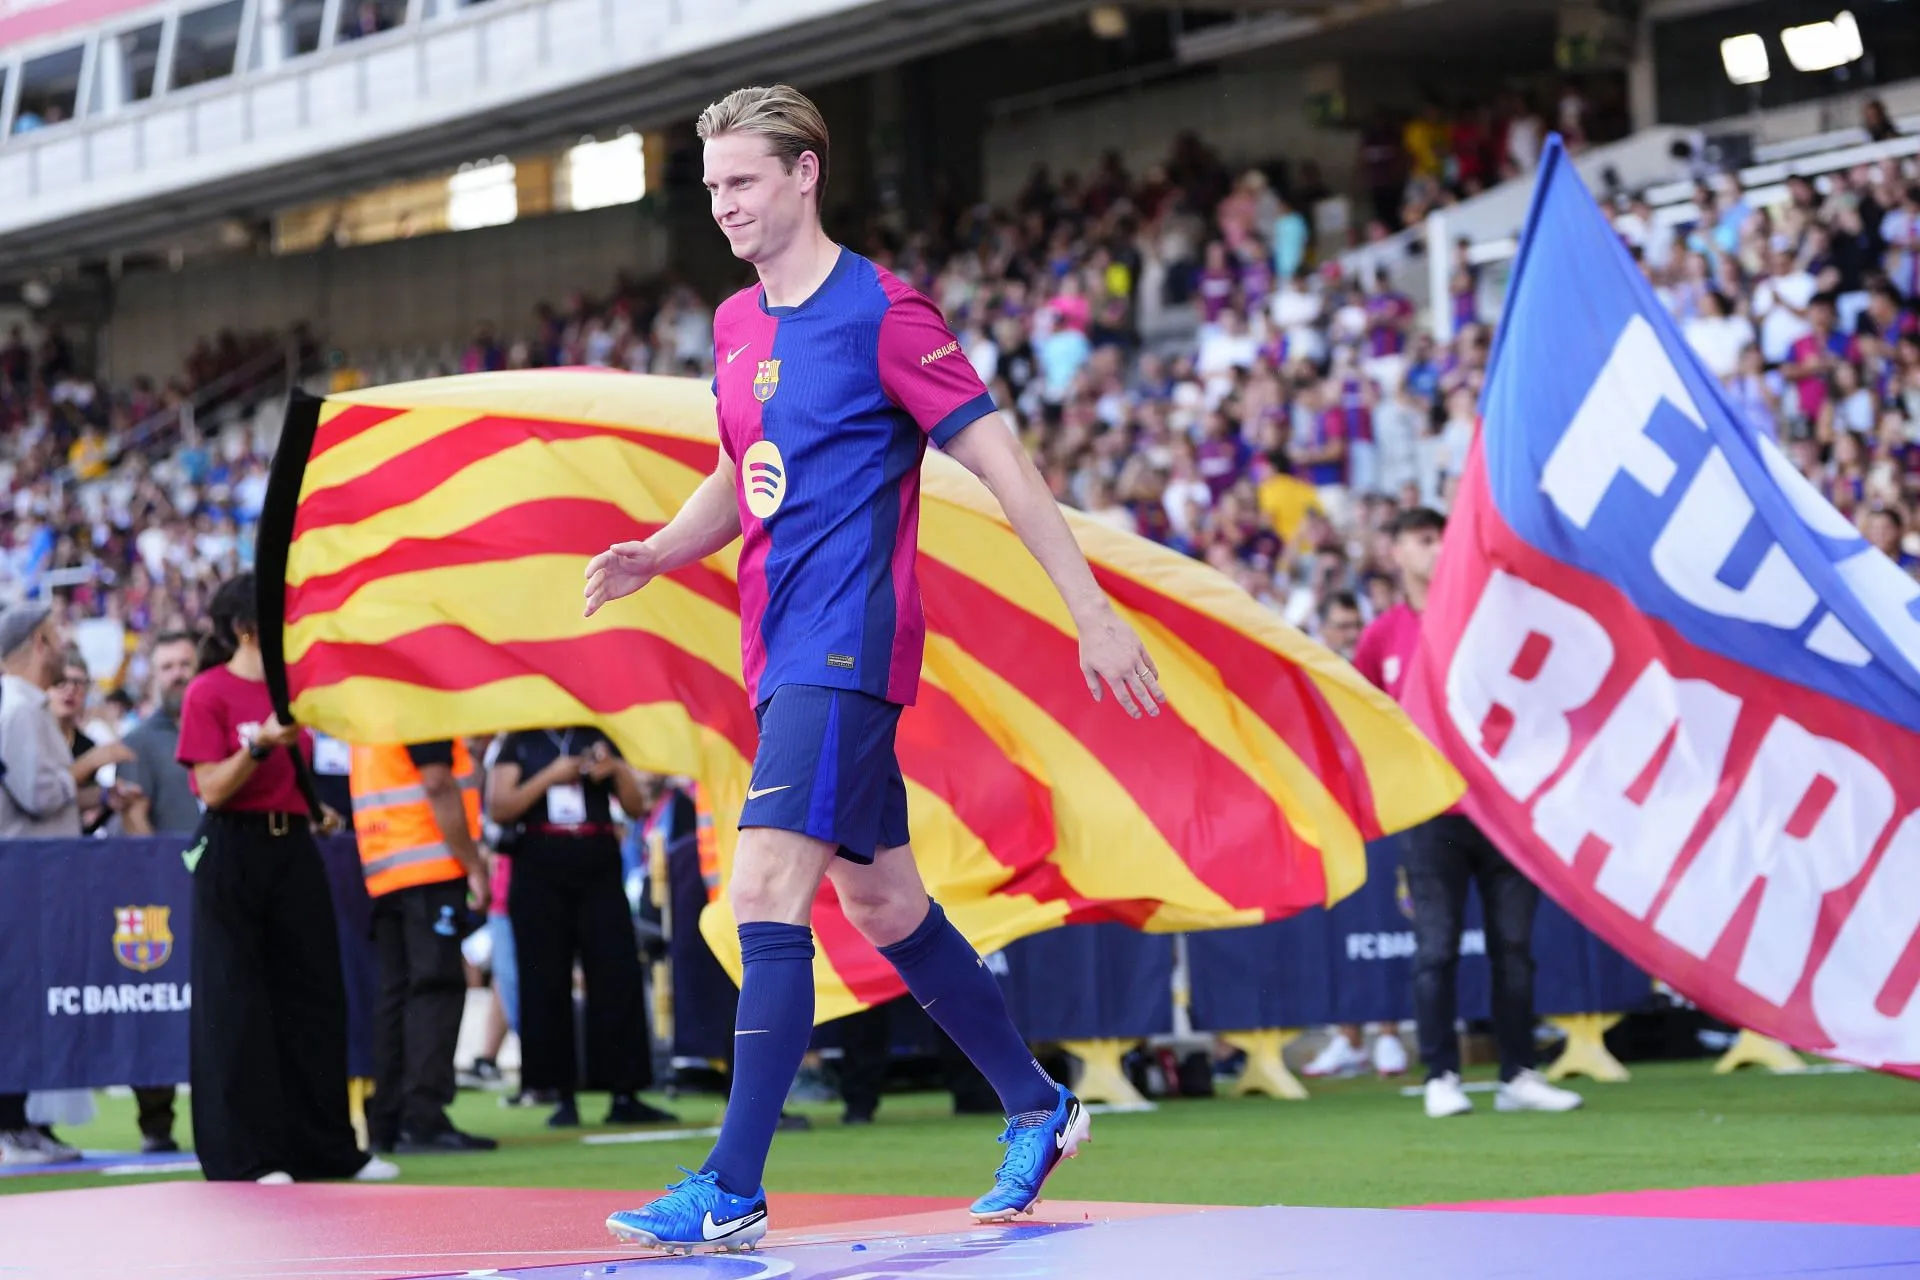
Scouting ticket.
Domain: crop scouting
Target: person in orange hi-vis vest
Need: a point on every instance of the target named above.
(706, 841)
(416, 814)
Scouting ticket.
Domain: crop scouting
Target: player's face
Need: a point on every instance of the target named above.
(760, 207)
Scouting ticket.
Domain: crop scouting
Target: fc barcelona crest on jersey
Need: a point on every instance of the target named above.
(142, 939)
(766, 381)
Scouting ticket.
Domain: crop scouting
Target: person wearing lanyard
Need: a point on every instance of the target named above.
(558, 786)
(268, 1031)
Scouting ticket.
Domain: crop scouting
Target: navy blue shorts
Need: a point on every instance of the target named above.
(826, 769)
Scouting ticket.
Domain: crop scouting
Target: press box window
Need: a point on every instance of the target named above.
(126, 69)
(290, 33)
(206, 45)
(362, 18)
(49, 90)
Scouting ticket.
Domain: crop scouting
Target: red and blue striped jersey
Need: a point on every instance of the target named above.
(825, 409)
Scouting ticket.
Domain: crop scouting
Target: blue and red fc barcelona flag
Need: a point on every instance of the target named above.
(1684, 690)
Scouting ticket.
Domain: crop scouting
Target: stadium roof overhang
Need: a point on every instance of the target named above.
(87, 218)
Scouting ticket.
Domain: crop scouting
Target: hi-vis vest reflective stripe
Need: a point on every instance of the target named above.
(707, 841)
(400, 843)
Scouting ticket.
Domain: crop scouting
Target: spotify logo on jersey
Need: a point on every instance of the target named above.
(763, 472)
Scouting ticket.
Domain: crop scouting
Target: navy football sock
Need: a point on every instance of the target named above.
(951, 982)
(771, 1031)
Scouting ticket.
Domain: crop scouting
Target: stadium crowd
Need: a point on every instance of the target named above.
(1175, 352)
(1172, 347)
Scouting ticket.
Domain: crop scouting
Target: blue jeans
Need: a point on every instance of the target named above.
(506, 968)
(1442, 857)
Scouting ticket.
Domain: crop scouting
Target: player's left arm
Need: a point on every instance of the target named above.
(1110, 650)
(925, 373)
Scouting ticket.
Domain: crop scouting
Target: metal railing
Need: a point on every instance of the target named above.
(269, 373)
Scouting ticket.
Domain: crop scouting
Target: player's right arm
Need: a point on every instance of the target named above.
(704, 525)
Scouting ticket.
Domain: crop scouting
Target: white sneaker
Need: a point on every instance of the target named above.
(30, 1146)
(276, 1179)
(1529, 1091)
(377, 1170)
(1338, 1059)
(1445, 1097)
(1389, 1055)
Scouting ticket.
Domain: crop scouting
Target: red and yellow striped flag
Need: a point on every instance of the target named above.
(426, 543)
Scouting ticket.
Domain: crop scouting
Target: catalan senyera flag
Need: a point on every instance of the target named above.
(422, 560)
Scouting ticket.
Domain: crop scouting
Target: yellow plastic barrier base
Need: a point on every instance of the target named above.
(1266, 1069)
(1755, 1050)
(1101, 1077)
(359, 1089)
(1586, 1052)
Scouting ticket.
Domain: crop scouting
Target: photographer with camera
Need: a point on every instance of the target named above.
(552, 792)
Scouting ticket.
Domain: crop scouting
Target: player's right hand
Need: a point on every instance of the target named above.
(620, 570)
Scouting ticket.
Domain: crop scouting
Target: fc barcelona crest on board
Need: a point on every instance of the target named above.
(766, 380)
(142, 939)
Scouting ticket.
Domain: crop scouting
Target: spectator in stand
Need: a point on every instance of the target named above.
(1875, 120)
(1900, 230)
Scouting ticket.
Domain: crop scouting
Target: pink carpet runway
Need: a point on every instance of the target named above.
(197, 1231)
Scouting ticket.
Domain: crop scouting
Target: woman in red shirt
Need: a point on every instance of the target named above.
(269, 1019)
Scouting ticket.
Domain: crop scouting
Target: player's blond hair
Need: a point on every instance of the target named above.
(782, 115)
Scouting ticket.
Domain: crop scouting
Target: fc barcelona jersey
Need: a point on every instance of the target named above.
(825, 409)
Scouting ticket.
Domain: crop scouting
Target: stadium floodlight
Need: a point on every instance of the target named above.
(483, 195)
(1822, 46)
(1745, 58)
(600, 174)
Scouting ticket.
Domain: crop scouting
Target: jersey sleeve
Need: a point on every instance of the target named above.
(203, 727)
(923, 370)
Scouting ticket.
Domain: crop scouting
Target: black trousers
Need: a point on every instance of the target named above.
(1442, 857)
(268, 1028)
(567, 902)
(156, 1110)
(866, 1045)
(13, 1112)
(423, 993)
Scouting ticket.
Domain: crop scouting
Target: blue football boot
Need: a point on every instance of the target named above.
(694, 1214)
(1033, 1152)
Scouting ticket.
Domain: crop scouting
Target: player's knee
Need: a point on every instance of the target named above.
(761, 897)
(774, 880)
(884, 913)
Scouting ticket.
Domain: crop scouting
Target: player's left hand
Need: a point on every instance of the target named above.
(1112, 653)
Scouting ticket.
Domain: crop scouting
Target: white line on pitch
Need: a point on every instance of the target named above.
(648, 1135)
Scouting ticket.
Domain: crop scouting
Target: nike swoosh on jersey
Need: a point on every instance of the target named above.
(735, 353)
(766, 791)
(711, 1230)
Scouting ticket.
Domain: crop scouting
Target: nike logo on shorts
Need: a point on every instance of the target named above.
(752, 794)
(711, 1230)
